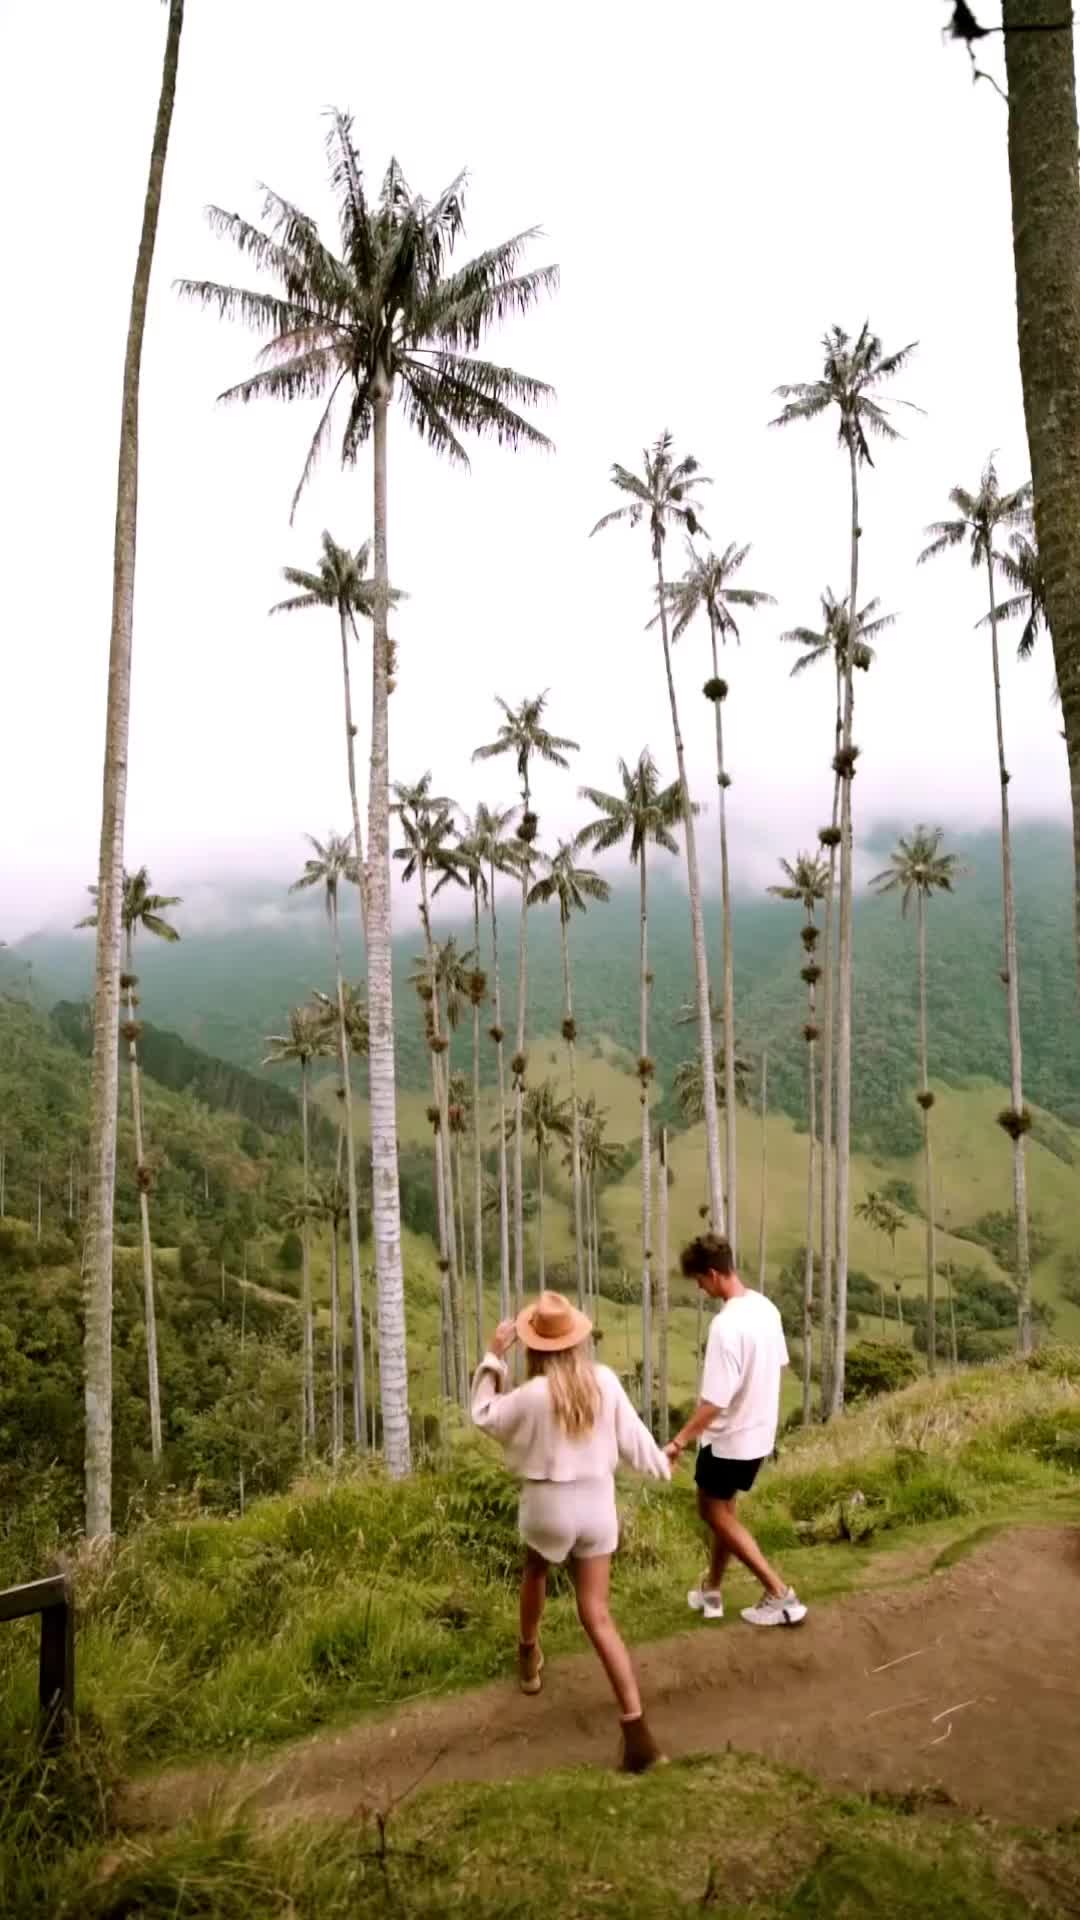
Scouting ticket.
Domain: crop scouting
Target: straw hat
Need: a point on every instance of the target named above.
(551, 1324)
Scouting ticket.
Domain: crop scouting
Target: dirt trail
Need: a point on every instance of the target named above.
(968, 1684)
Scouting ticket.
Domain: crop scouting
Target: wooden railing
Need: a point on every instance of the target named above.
(53, 1599)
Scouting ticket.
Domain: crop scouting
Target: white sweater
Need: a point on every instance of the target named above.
(536, 1446)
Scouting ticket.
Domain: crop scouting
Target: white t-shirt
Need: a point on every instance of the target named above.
(744, 1355)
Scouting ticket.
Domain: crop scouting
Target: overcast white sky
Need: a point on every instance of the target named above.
(719, 182)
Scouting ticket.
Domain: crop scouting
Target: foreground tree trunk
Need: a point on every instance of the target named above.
(697, 928)
(500, 1058)
(385, 1194)
(359, 1405)
(662, 1288)
(518, 1066)
(731, 1168)
(808, 1271)
(926, 1101)
(828, 1097)
(570, 1036)
(1018, 1118)
(1046, 250)
(846, 770)
(763, 1215)
(644, 1080)
(142, 1176)
(305, 1238)
(105, 1068)
(478, 1170)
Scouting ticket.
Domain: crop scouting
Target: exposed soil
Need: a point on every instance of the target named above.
(965, 1686)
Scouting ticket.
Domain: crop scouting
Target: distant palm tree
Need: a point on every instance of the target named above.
(886, 1219)
(1023, 570)
(547, 1119)
(383, 315)
(664, 494)
(141, 909)
(331, 867)
(918, 868)
(689, 1087)
(829, 642)
(471, 852)
(304, 1041)
(643, 814)
(853, 373)
(487, 842)
(428, 850)
(329, 1205)
(708, 587)
(341, 584)
(980, 517)
(806, 884)
(572, 887)
(104, 1068)
(599, 1155)
(453, 971)
(358, 1038)
(522, 732)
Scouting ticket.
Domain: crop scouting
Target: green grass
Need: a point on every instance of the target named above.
(733, 1837)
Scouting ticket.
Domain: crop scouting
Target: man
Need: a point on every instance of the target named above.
(735, 1423)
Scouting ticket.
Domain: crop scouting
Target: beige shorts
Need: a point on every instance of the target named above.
(569, 1519)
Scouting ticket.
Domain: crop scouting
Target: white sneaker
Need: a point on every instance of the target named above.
(708, 1601)
(772, 1611)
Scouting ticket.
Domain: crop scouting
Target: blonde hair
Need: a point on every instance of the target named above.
(572, 1385)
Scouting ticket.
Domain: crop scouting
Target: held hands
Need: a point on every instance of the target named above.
(503, 1338)
(673, 1450)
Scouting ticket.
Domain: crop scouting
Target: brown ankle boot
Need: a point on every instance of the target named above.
(639, 1749)
(530, 1667)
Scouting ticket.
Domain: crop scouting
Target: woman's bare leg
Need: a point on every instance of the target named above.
(592, 1580)
(533, 1596)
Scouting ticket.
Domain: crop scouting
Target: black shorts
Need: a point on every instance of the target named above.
(723, 1479)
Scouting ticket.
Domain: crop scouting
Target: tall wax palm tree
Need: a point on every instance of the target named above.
(428, 849)
(917, 869)
(886, 1219)
(663, 1269)
(304, 1042)
(1041, 74)
(145, 911)
(340, 585)
(829, 642)
(331, 866)
(643, 814)
(708, 587)
(664, 494)
(385, 316)
(547, 1119)
(329, 1205)
(453, 972)
(980, 517)
(105, 1066)
(572, 887)
(460, 1125)
(487, 841)
(522, 732)
(852, 377)
(806, 884)
(472, 850)
(1023, 570)
(597, 1156)
(688, 1083)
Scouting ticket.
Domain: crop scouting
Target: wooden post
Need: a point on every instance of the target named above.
(53, 1599)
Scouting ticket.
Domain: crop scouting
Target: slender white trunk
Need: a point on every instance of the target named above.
(828, 1103)
(350, 754)
(846, 970)
(590, 1273)
(500, 1057)
(359, 1407)
(596, 1242)
(575, 1121)
(762, 1215)
(645, 1072)
(478, 1171)
(460, 1184)
(337, 1429)
(305, 1237)
(519, 1070)
(1012, 987)
(385, 1195)
(697, 927)
(662, 1270)
(105, 1066)
(445, 1187)
(931, 1229)
(808, 1273)
(540, 1214)
(731, 1170)
(3, 1183)
(142, 1173)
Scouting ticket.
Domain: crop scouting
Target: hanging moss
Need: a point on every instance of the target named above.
(425, 990)
(715, 689)
(811, 974)
(569, 1031)
(529, 828)
(810, 1033)
(497, 1034)
(844, 762)
(131, 1030)
(1014, 1123)
(861, 656)
(477, 987)
(645, 1068)
(926, 1100)
(439, 1043)
(809, 937)
(127, 981)
(144, 1179)
(830, 836)
(434, 1118)
(518, 1065)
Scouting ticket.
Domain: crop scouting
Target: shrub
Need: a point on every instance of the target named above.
(291, 1253)
(873, 1367)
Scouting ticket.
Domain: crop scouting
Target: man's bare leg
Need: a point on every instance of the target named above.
(730, 1537)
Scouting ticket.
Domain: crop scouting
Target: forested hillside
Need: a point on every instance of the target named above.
(225, 991)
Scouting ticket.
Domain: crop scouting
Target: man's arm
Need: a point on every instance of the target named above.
(703, 1417)
(719, 1385)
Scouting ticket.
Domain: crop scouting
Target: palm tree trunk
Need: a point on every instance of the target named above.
(478, 1171)
(697, 928)
(359, 1409)
(142, 1174)
(350, 753)
(808, 1272)
(540, 1214)
(662, 1301)
(105, 1068)
(336, 1408)
(828, 1104)
(762, 1215)
(596, 1243)
(500, 1058)
(846, 957)
(444, 1157)
(519, 1076)
(385, 1194)
(309, 1324)
(644, 1071)
(1012, 987)
(728, 964)
(575, 1121)
(1046, 222)
(460, 1184)
(647, 1356)
(931, 1229)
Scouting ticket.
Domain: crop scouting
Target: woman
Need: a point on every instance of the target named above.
(564, 1433)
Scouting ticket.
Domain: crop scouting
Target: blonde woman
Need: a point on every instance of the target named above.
(564, 1433)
